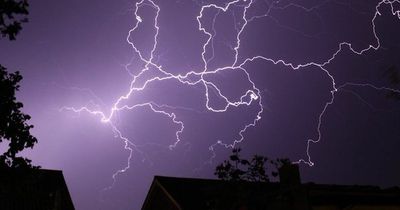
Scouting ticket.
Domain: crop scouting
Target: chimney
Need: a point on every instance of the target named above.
(289, 175)
(291, 187)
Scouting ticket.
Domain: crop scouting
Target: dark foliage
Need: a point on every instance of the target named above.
(393, 75)
(12, 14)
(13, 123)
(256, 169)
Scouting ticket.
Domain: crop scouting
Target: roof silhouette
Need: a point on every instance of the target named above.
(34, 189)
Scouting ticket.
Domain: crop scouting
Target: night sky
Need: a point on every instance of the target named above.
(122, 90)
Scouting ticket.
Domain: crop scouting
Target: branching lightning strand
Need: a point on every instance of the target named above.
(251, 96)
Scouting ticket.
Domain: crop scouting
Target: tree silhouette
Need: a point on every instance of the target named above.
(256, 169)
(12, 14)
(13, 125)
(393, 75)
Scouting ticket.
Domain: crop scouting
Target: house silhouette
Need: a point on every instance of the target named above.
(170, 193)
(33, 189)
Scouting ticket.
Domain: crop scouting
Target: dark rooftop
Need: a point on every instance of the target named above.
(34, 189)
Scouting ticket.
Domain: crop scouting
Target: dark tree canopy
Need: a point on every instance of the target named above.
(393, 75)
(13, 123)
(12, 14)
(256, 169)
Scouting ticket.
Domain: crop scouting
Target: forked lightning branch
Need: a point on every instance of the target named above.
(198, 77)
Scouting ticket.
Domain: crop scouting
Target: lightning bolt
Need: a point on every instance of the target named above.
(199, 78)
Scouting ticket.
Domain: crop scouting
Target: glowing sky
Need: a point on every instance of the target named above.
(120, 91)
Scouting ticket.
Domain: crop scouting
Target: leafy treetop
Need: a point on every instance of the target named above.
(256, 170)
(12, 14)
(13, 125)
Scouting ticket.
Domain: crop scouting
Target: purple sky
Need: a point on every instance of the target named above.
(76, 54)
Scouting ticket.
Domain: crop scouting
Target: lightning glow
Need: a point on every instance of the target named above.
(198, 77)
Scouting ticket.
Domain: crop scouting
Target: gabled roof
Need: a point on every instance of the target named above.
(34, 189)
